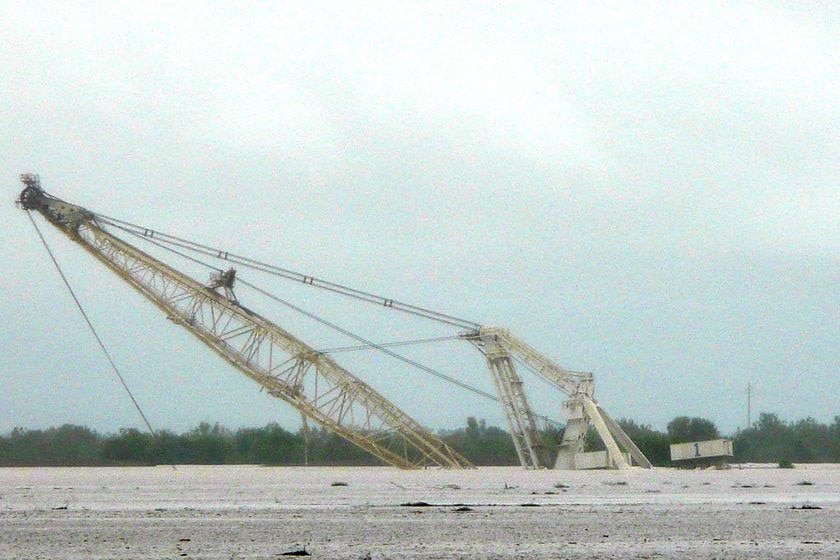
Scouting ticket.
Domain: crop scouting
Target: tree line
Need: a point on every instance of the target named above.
(768, 440)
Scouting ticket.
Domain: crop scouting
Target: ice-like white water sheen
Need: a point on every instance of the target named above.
(261, 512)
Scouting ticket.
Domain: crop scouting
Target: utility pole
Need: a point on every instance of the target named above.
(305, 430)
(749, 404)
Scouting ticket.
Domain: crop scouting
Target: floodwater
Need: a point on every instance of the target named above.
(249, 512)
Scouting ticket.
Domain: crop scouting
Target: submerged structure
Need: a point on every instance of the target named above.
(312, 381)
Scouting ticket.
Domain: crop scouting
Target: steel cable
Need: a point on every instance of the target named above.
(164, 244)
(93, 329)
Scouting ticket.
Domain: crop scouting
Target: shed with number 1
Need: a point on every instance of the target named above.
(710, 449)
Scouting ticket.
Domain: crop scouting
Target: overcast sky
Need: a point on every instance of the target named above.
(649, 193)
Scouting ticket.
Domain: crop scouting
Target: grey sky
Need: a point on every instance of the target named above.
(650, 194)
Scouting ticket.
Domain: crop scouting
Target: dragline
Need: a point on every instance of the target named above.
(315, 383)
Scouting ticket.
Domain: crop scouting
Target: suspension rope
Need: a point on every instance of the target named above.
(286, 273)
(364, 342)
(387, 344)
(92, 329)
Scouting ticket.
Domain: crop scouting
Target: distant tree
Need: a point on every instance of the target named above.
(74, 445)
(25, 448)
(811, 441)
(683, 429)
(66, 445)
(551, 437)
(328, 448)
(593, 441)
(655, 445)
(207, 445)
(170, 449)
(130, 446)
(834, 441)
(768, 440)
(772, 440)
(269, 445)
(482, 444)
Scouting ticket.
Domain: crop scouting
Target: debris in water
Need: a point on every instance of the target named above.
(561, 485)
(56, 508)
(530, 505)
(339, 483)
(416, 504)
(806, 506)
(464, 508)
(301, 552)
(615, 482)
(805, 483)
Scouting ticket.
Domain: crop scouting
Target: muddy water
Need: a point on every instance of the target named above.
(262, 512)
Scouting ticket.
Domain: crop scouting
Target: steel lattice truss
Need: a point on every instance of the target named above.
(520, 418)
(581, 410)
(285, 366)
(314, 383)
